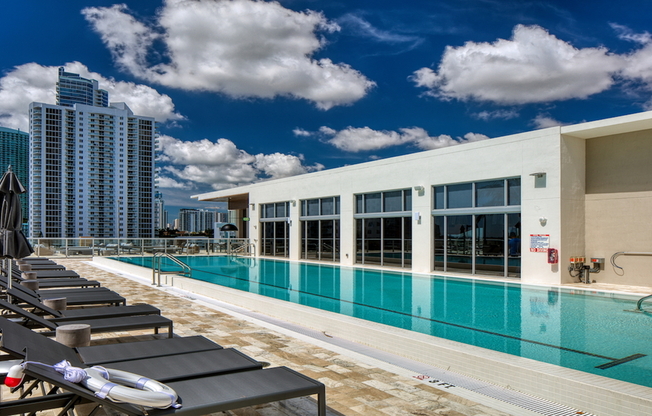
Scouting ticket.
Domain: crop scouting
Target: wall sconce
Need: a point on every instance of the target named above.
(416, 216)
(252, 206)
(294, 202)
(418, 188)
(543, 221)
(539, 179)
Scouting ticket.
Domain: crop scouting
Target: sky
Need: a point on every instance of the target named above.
(246, 91)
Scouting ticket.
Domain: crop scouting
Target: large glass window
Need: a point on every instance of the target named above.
(320, 229)
(477, 227)
(275, 232)
(384, 228)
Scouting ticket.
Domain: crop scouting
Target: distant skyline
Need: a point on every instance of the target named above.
(246, 91)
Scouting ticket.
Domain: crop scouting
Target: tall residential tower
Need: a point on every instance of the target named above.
(14, 149)
(91, 164)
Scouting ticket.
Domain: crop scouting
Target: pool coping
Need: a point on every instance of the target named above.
(589, 392)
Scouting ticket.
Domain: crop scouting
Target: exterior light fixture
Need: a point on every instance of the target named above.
(539, 179)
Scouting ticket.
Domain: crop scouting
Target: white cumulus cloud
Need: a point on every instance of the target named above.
(359, 139)
(221, 164)
(533, 66)
(242, 48)
(32, 82)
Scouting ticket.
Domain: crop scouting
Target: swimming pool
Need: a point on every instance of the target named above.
(595, 332)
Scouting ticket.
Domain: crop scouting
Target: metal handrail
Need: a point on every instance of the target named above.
(157, 265)
(245, 248)
(640, 302)
(627, 253)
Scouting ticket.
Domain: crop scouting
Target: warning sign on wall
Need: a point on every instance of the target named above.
(539, 242)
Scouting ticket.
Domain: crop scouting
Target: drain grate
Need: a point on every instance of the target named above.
(447, 380)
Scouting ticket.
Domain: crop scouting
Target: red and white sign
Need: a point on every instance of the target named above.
(539, 243)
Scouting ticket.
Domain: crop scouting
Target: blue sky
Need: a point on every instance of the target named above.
(248, 90)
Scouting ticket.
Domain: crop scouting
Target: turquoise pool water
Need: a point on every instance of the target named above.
(589, 331)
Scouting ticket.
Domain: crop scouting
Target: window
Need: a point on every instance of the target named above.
(275, 229)
(384, 228)
(478, 227)
(320, 229)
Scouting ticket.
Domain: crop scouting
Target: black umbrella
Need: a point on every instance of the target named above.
(13, 243)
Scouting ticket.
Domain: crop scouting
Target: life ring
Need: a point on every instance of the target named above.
(116, 385)
(125, 387)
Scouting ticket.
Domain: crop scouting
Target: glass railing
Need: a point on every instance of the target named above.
(90, 247)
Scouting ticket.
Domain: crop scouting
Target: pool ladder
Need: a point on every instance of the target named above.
(157, 268)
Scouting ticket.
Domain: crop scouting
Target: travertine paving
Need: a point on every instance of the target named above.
(353, 388)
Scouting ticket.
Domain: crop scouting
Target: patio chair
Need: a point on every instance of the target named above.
(45, 274)
(74, 297)
(41, 266)
(205, 395)
(38, 308)
(62, 282)
(98, 325)
(16, 338)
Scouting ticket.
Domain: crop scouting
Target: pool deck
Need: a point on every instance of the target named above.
(356, 384)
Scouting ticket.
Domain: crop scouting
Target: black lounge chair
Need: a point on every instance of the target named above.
(63, 282)
(125, 351)
(38, 308)
(18, 339)
(41, 266)
(97, 325)
(45, 274)
(205, 395)
(74, 297)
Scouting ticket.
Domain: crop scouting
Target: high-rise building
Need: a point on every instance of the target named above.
(14, 152)
(197, 220)
(73, 89)
(161, 213)
(91, 164)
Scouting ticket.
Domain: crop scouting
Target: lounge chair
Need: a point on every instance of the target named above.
(97, 325)
(61, 282)
(74, 297)
(16, 338)
(45, 274)
(205, 395)
(35, 260)
(162, 368)
(38, 308)
(41, 266)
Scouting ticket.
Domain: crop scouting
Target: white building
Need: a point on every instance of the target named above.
(489, 208)
(92, 166)
(197, 220)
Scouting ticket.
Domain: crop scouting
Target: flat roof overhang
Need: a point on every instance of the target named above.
(610, 126)
(235, 201)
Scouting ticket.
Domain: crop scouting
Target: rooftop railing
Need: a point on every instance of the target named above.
(91, 247)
